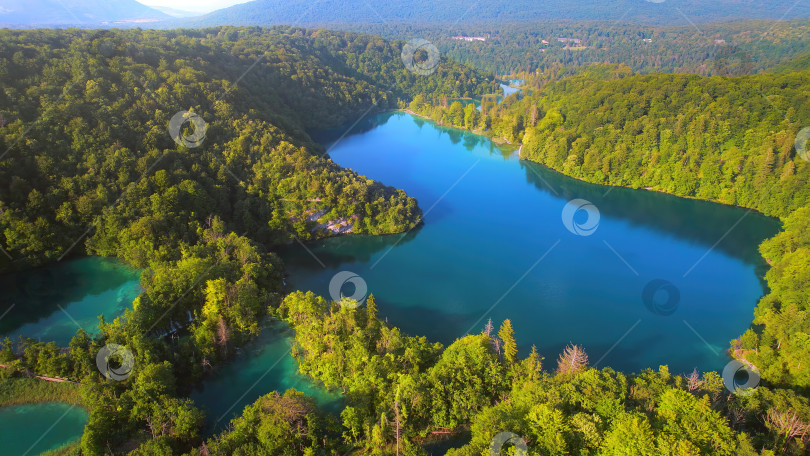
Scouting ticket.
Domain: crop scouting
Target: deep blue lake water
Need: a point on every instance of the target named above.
(494, 245)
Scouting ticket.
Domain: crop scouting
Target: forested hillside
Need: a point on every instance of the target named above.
(725, 49)
(453, 12)
(722, 139)
(90, 165)
(107, 99)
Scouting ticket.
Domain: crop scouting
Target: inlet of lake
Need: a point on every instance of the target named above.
(637, 278)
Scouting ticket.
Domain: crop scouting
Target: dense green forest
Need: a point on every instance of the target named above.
(724, 49)
(203, 222)
(90, 167)
(451, 13)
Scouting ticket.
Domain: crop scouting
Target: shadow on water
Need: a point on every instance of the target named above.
(37, 294)
(435, 324)
(336, 251)
(667, 213)
(327, 137)
(262, 366)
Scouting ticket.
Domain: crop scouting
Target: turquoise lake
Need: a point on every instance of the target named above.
(264, 365)
(52, 303)
(35, 428)
(494, 245)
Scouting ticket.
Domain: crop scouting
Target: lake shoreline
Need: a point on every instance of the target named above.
(500, 141)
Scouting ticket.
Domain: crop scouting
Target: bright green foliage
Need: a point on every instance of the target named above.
(629, 435)
(507, 336)
(277, 425)
(688, 419)
(782, 349)
(463, 380)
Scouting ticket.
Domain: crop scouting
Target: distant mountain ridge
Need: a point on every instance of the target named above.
(345, 13)
(324, 12)
(82, 13)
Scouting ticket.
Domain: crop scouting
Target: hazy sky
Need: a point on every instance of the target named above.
(202, 6)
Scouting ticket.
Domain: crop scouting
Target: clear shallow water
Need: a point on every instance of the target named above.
(493, 245)
(26, 429)
(85, 288)
(265, 365)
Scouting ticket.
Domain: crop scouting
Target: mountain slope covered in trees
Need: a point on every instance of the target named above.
(673, 12)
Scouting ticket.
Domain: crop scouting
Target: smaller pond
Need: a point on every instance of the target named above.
(507, 90)
(32, 429)
(53, 302)
(265, 365)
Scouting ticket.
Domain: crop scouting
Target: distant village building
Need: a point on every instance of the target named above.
(576, 41)
(544, 41)
(647, 40)
(469, 38)
(719, 41)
